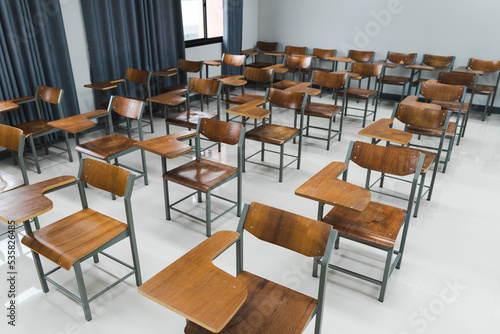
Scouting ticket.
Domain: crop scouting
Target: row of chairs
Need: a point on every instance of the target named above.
(402, 61)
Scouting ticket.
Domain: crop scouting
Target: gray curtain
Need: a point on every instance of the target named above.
(140, 34)
(34, 51)
(233, 32)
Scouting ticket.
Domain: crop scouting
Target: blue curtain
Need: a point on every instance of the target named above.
(233, 32)
(34, 51)
(140, 34)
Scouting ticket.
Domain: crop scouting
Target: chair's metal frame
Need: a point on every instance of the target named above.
(282, 153)
(83, 299)
(208, 195)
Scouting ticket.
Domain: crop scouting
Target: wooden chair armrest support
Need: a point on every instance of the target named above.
(249, 52)
(324, 187)
(385, 63)
(104, 85)
(166, 72)
(380, 130)
(78, 123)
(195, 288)
(342, 59)
(250, 109)
(23, 99)
(169, 146)
(27, 202)
(420, 67)
(467, 70)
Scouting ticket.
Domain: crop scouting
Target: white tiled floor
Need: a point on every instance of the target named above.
(449, 280)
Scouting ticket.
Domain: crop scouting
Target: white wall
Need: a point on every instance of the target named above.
(446, 27)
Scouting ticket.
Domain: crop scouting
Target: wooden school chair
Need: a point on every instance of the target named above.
(109, 148)
(205, 175)
(45, 98)
(215, 302)
(87, 233)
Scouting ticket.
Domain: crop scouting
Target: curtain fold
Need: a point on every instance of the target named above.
(233, 32)
(34, 51)
(140, 34)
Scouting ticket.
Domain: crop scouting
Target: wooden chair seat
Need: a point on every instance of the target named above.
(284, 84)
(219, 77)
(482, 89)
(259, 64)
(73, 237)
(34, 127)
(188, 119)
(453, 106)
(245, 98)
(378, 224)
(358, 92)
(428, 160)
(394, 80)
(450, 130)
(320, 109)
(9, 182)
(271, 133)
(181, 87)
(280, 309)
(104, 147)
(200, 174)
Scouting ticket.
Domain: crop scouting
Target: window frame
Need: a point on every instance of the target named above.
(203, 41)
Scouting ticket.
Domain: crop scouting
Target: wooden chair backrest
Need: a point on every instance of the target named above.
(285, 99)
(296, 50)
(189, 66)
(390, 160)
(324, 53)
(438, 61)
(367, 69)
(362, 56)
(267, 46)
(105, 176)
(330, 80)
(418, 115)
(126, 107)
(297, 62)
(234, 60)
(258, 74)
(137, 76)
(10, 137)
(303, 235)
(457, 78)
(484, 65)
(401, 58)
(220, 131)
(49, 94)
(434, 90)
(204, 86)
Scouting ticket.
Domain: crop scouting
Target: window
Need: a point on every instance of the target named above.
(203, 21)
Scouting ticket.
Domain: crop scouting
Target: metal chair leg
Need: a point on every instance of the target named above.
(208, 210)
(386, 274)
(83, 291)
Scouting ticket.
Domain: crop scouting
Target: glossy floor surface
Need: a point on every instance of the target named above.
(449, 281)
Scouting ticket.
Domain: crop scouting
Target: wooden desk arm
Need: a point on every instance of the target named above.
(169, 146)
(420, 67)
(249, 52)
(23, 99)
(195, 288)
(103, 85)
(27, 202)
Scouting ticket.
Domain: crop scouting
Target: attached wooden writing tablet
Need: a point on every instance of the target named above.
(380, 130)
(195, 288)
(326, 188)
(27, 202)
